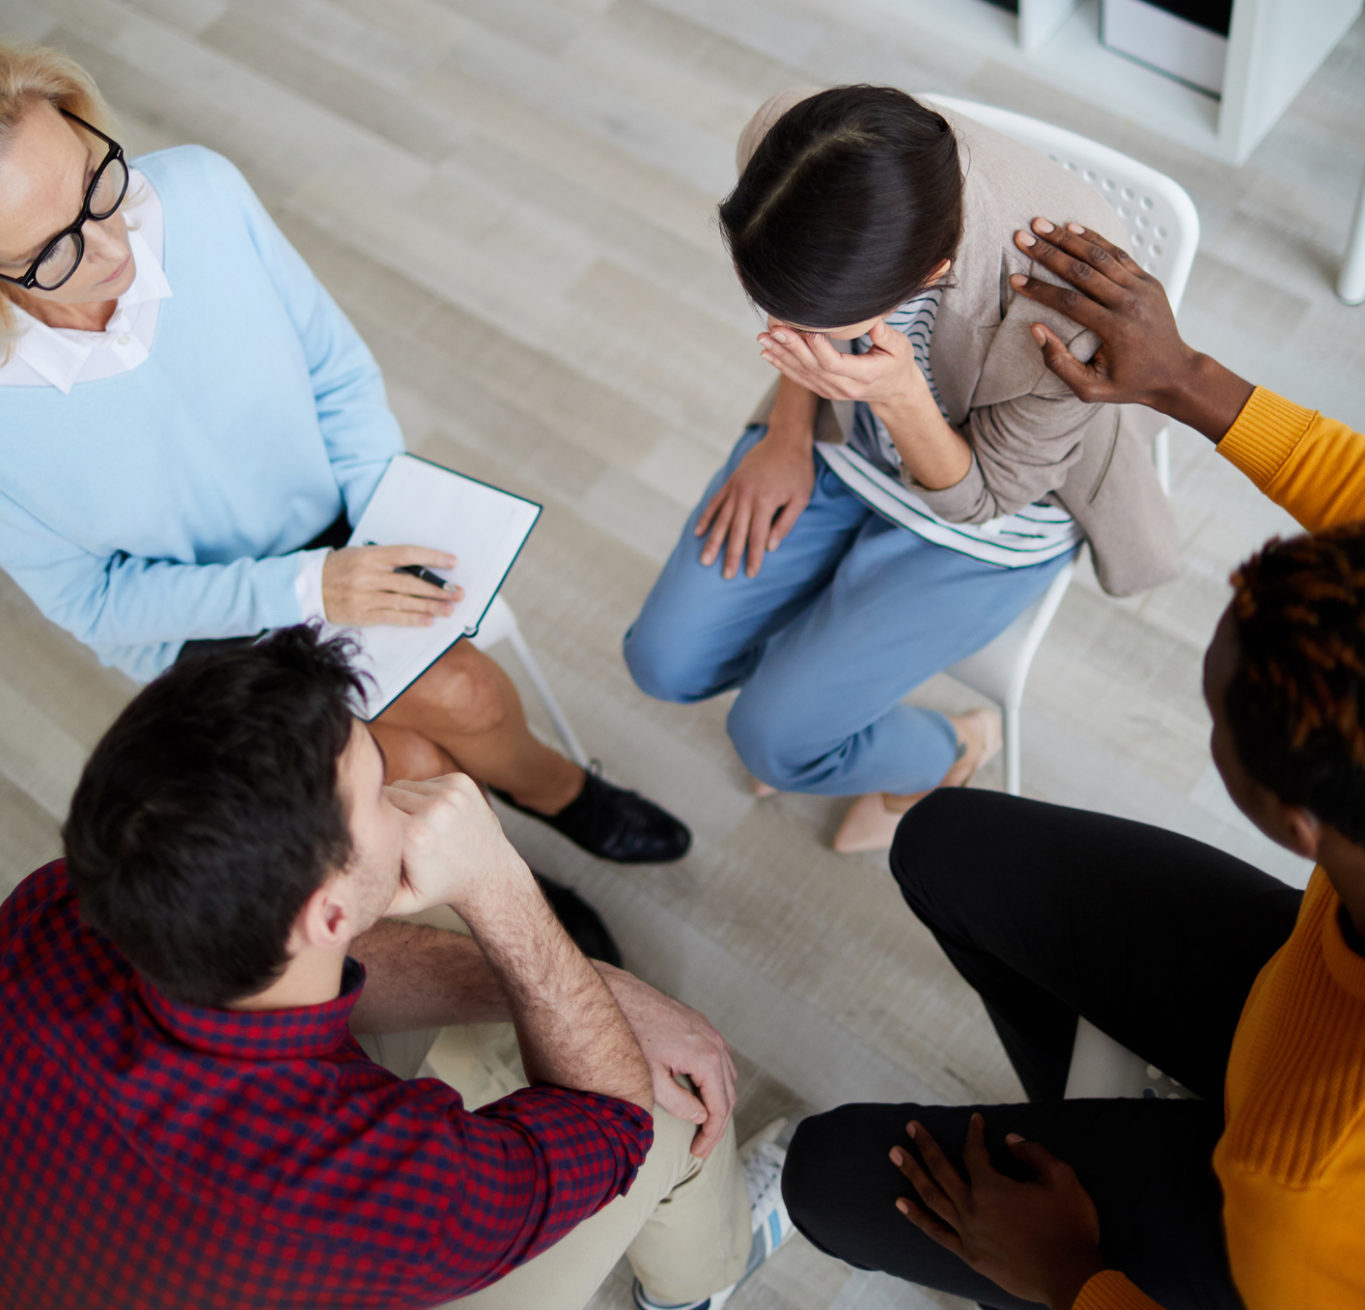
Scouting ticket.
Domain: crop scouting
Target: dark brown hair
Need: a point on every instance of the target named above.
(1296, 701)
(209, 813)
(849, 203)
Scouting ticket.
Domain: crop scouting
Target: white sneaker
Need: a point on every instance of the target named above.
(761, 1159)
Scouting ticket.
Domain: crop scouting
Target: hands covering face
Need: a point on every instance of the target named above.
(886, 375)
(771, 487)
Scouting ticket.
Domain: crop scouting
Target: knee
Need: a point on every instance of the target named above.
(944, 847)
(805, 1175)
(768, 749)
(657, 663)
(413, 757)
(824, 1176)
(468, 690)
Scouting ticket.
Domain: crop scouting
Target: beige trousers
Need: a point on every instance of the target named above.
(684, 1224)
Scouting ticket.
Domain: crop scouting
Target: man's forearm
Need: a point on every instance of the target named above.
(417, 976)
(570, 1029)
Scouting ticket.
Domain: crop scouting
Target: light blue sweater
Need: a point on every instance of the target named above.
(162, 505)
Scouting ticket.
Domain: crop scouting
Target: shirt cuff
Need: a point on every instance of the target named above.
(308, 584)
(1110, 1290)
(1264, 435)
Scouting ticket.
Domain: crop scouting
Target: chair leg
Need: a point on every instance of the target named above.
(1351, 285)
(1011, 725)
(1161, 456)
(560, 719)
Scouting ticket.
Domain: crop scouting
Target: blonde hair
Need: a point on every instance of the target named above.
(29, 74)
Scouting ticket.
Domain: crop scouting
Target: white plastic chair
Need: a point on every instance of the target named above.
(500, 624)
(1163, 232)
(1100, 1067)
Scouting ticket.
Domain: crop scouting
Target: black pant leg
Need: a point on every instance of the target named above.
(1052, 912)
(1147, 1165)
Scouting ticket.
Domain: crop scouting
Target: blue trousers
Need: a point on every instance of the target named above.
(845, 618)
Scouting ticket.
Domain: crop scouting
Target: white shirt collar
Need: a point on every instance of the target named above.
(64, 356)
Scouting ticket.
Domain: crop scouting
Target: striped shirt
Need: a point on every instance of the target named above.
(869, 465)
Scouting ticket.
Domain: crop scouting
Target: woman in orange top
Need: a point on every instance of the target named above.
(1244, 990)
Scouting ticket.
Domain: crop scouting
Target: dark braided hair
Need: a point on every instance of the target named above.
(1296, 702)
(849, 203)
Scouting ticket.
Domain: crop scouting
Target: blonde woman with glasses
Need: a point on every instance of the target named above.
(188, 428)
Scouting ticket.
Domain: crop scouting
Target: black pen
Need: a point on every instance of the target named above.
(417, 571)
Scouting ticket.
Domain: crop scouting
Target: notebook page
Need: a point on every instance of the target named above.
(418, 503)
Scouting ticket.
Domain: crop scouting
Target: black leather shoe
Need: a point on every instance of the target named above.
(580, 921)
(615, 824)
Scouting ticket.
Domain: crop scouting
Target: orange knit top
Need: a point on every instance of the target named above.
(1292, 1158)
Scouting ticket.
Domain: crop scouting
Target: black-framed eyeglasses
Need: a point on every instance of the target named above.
(62, 255)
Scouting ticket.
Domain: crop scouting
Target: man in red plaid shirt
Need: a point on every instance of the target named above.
(188, 1117)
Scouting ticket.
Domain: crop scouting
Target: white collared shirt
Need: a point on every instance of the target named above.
(62, 357)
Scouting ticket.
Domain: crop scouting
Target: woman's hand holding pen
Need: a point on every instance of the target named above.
(363, 585)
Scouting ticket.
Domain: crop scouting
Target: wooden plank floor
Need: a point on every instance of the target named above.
(514, 201)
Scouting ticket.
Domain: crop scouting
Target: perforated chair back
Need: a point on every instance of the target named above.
(1162, 222)
(1160, 217)
(1104, 1068)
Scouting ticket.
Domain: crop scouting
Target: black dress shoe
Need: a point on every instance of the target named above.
(615, 824)
(580, 921)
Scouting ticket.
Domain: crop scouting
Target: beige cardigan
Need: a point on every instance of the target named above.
(1028, 433)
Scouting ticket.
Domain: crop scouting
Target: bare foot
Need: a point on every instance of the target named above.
(761, 789)
(870, 823)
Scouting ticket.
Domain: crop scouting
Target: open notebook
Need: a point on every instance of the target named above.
(418, 503)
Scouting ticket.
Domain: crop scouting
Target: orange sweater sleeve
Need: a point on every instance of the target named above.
(1313, 466)
(1110, 1290)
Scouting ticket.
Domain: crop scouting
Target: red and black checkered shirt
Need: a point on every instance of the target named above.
(159, 1156)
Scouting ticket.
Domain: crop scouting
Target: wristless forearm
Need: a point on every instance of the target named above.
(418, 976)
(792, 417)
(570, 1029)
(1205, 396)
(934, 453)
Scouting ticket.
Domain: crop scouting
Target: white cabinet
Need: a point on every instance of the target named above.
(1273, 48)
